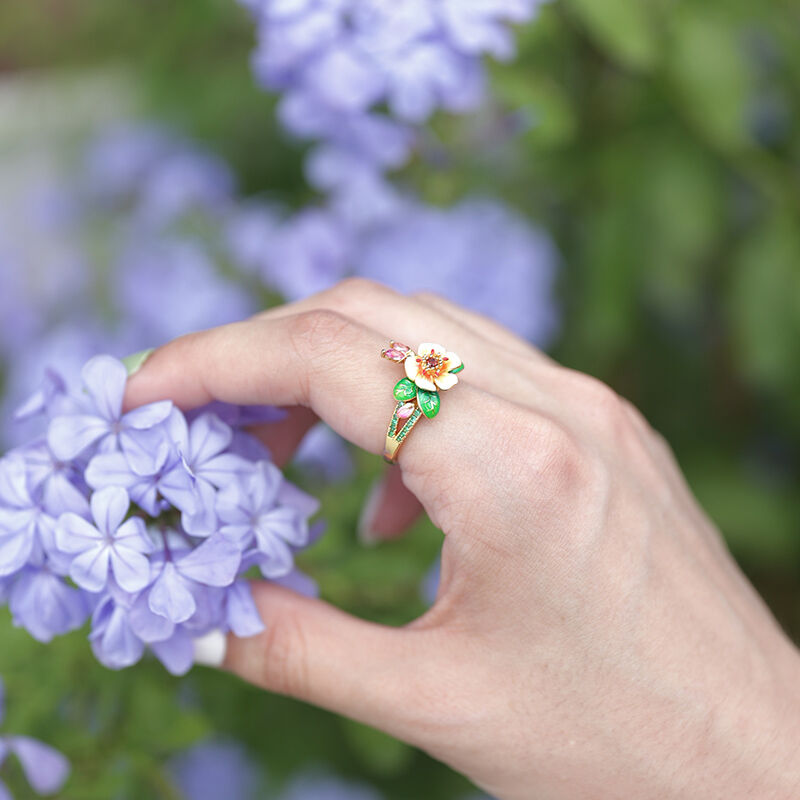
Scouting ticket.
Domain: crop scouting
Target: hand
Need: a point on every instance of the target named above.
(592, 637)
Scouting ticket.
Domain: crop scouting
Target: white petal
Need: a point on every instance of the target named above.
(430, 347)
(446, 381)
(453, 360)
(424, 383)
(411, 367)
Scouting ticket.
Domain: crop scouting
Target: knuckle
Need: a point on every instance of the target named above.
(316, 333)
(603, 403)
(551, 454)
(356, 289)
(427, 296)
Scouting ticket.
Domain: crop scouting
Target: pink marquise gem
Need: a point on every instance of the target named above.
(405, 411)
(396, 351)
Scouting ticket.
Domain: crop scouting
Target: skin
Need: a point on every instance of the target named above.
(592, 636)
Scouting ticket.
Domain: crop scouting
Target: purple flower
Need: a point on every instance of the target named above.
(309, 253)
(167, 571)
(45, 768)
(326, 787)
(113, 640)
(214, 769)
(26, 530)
(102, 424)
(191, 293)
(213, 563)
(337, 61)
(43, 604)
(111, 545)
(487, 258)
(250, 513)
(324, 455)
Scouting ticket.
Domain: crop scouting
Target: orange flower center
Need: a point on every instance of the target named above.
(433, 365)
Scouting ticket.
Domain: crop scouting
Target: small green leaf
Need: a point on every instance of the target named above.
(405, 390)
(457, 369)
(428, 402)
(135, 362)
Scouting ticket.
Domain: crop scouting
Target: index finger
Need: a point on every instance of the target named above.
(328, 362)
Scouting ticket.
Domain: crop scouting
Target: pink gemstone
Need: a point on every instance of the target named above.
(405, 411)
(403, 348)
(393, 354)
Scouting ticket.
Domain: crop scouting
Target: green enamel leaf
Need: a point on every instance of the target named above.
(405, 390)
(457, 369)
(428, 402)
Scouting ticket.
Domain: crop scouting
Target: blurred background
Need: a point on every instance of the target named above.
(623, 190)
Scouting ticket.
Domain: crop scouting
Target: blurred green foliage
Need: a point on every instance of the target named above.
(662, 150)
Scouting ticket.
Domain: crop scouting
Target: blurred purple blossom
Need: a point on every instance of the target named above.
(215, 769)
(324, 455)
(319, 786)
(487, 258)
(45, 768)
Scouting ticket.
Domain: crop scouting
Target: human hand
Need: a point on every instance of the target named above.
(592, 637)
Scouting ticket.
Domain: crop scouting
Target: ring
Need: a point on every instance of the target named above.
(430, 369)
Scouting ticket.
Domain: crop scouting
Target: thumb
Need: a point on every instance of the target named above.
(315, 652)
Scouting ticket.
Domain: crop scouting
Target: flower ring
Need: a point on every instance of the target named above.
(431, 369)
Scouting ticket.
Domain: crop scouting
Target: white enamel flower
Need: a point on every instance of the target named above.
(431, 367)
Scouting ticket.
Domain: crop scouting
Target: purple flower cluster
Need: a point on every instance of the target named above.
(144, 520)
(45, 768)
(360, 77)
(337, 61)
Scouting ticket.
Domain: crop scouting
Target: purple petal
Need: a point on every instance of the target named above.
(105, 379)
(131, 568)
(222, 469)
(109, 507)
(14, 482)
(74, 534)
(46, 606)
(60, 494)
(276, 558)
(177, 653)
(170, 596)
(132, 535)
(285, 523)
(109, 469)
(90, 569)
(242, 615)
(146, 451)
(69, 436)
(291, 495)
(178, 487)
(149, 627)
(15, 550)
(208, 437)
(146, 417)
(298, 582)
(213, 563)
(45, 768)
(114, 643)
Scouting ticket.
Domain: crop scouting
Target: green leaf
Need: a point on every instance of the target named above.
(428, 402)
(378, 751)
(626, 29)
(457, 369)
(136, 361)
(405, 390)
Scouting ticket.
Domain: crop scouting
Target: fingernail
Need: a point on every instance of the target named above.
(367, 534)
(135, 362)
(210, 650)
